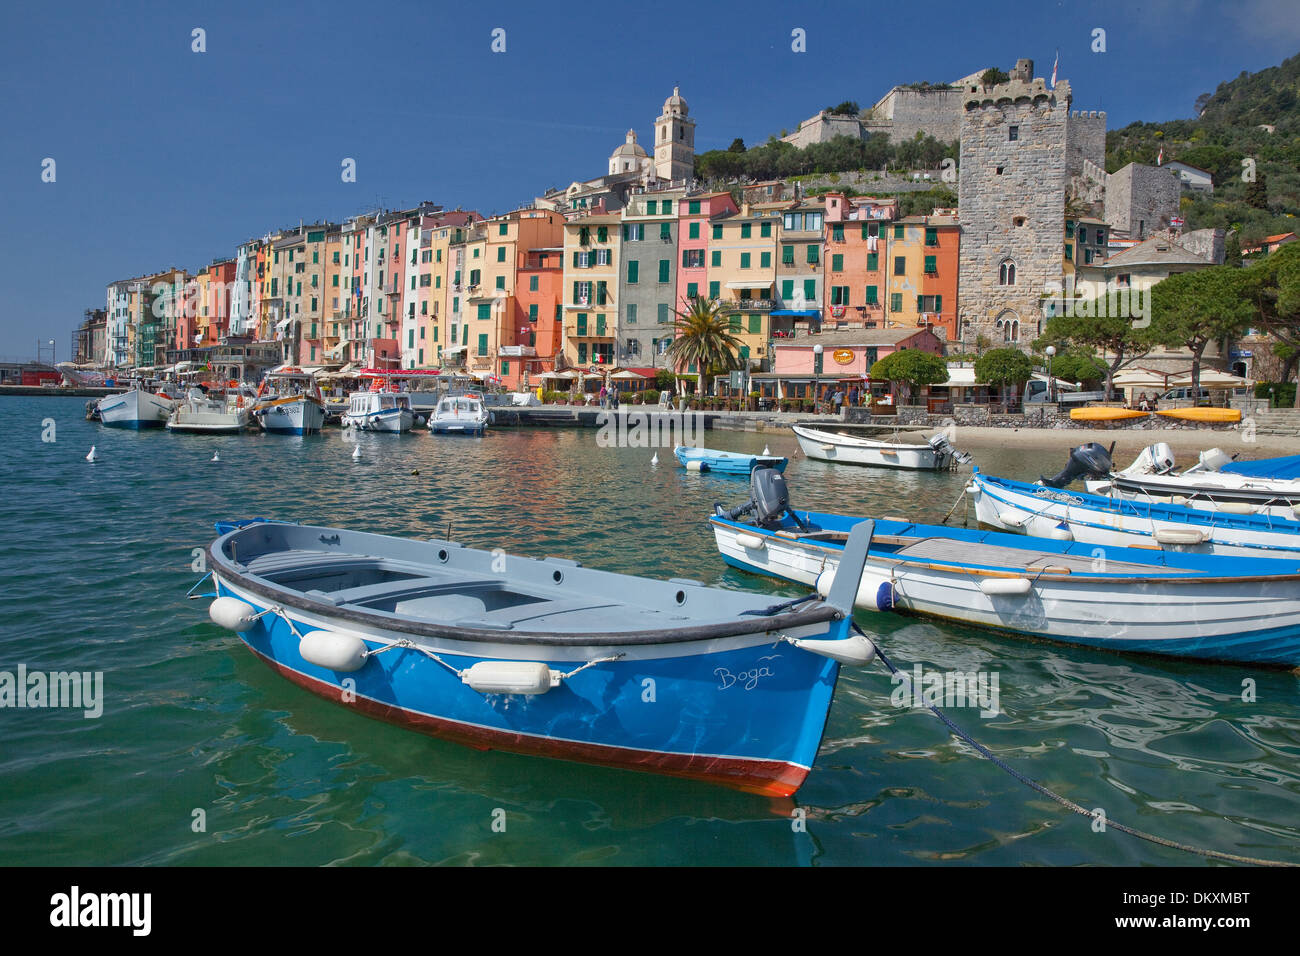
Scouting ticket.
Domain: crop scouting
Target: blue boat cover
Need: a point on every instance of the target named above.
(1288, 466)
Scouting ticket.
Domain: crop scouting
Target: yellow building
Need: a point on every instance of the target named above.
(592, 248)
(741, 273)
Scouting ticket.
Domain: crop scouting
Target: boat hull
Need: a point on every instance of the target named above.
(746, 712)
(1105, 414)
(1017, 507)
(134, 409)
(302, 416)
(1248, 620)
(698, 459)
(824, 446)
(1210, 415)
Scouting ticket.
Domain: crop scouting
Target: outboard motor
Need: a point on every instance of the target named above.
(1087, 461)
(1212, 460)
(769, 499)
(1157, 459)
(946, 449)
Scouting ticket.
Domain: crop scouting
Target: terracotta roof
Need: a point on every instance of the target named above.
(1155, 251)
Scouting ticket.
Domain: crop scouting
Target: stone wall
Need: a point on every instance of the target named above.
(824, 127)
(1085, 139)
(1012, 202)
(1140, 200)
(1207, 243)
(902, 113)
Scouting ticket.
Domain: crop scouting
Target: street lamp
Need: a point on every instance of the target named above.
(1050, 350)
(817, 375)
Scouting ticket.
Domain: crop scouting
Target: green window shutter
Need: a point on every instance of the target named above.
(871, 295)
(744, 260)
(668, 207)
(600, 324)
(814, 254)
(931, 237)
(575, 259)
(652, 207)
(686, 258)
(810, 290)
(745, 229)
(501, 282)
(410, 339)
(692, 290)
(1069, 251)
(896, 302)
(900, 265)
(787, 255)
(864, 230)
(837, 263)
(765, 260)
(717, 232)
(694, 228)
(873, 261)
(693, 208)
(744, 352)
(505, 367)
(501, 253)
(665, 269)
(336, 281)
(485, 311)
(765, 230)
(714, 289)
(734, 320)
(582, 353)
(920, 307)
(600, 293)
(435, 336)
(532, 312)
(576, 286)
(898, 231)
(664, 317)
(464, 334)
(582, 323)
(930, 267)
(755, 323)
(482, 344)
(501, 229)
(715, 258)
(787, 288)
(633, 271)
(665, 230)
(602, 233)
(631, 313)
(938, 303)
(837, 232)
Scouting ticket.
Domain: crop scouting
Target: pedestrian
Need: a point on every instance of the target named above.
(837, 397)
(604, 394)
(853, 396)
(1143, 403)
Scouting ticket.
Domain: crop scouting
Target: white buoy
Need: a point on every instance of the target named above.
(766, 453)
(91, 455)
(356, 452)
(216, 456)
(655, 459)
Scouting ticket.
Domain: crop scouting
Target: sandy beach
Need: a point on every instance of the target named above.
(1187, 443)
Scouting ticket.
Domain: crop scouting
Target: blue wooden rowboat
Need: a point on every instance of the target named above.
(1208, 606)
(542, 656)
(725, 462)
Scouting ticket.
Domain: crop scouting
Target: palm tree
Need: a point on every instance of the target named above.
(704, 340)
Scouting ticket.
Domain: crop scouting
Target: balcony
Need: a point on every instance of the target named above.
(749, 305)
(589, 331)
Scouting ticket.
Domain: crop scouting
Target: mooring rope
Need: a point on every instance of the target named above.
(1065, 801)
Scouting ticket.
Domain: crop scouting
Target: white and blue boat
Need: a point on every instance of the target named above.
(379, 411)
(135, 408)
(294, 405)
(1035, 509)
(1243, 609)
(460, 415)
(725, 462)
(543, 657)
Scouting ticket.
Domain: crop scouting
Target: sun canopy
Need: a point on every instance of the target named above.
(1210, 378)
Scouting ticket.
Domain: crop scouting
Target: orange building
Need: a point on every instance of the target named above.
(857, 232)
(923, 266)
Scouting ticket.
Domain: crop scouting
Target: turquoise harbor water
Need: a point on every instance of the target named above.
(96, 563)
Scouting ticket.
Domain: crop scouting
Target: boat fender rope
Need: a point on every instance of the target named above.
(783, 606)
(461, 673)
(1065, 801)
(194, 597)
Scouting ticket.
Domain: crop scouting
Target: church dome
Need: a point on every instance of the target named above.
(630, 148)
(675, 105)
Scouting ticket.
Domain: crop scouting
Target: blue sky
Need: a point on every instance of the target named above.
(169, 157)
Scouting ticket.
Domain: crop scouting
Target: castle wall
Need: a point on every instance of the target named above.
(1140, 200)
(902, 113)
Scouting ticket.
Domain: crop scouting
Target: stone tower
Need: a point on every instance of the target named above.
(1014, 176)
(675, 140)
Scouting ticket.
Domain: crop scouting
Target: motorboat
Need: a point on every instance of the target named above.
(459, 415)
(820, 443)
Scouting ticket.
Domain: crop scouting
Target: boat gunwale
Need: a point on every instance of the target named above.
(223, 567)
(865, 444)
(1186, 577)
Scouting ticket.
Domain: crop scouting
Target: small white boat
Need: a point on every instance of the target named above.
(199, 412)
(135, 408)
(459, 415)
(294, 406)
(1154, 478)
(935, 453)
(379, 411)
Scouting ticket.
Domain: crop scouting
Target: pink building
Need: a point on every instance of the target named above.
(695, 215)
(847, 356)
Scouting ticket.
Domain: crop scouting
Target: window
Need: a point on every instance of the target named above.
(1069, 230)
(600, 293)
(501, 282)
(1087, 257)
(482, 344)
(665, 315)
(898, 231)
(814, 254)
(602, 233)
(930, 265)
(873, 261)
(733, 320)
(693, 259)
(693, 208)
(717, 232)
(837, 232)
(744, 260)
(631, 314)
(652, 207)
(871, 296)
(532, 312)
(633, 271)
(1069, 252)
(600, 324)
(582, 323)
(602, 257)
(692, 290)
(501, 253)
(765, 260)
(714, 290)
(745, 230)
(998, 171)
(755, 323)
(634, 232)
(693, 230)
(787, 289)
(532, 283)
(1007, 273)
(810, 290)
(931, 237)
(582, 353)
(839, 295)
(896, 302)
(837, 263)
(715, 258)
(668, 207)
(1083, 234)
(900, 265)
(666, 231)
(765, 230)
(929, 303)
(1013, 133)
(665, 267)
(485, 311)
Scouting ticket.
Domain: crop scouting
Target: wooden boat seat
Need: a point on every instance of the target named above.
(947, 551)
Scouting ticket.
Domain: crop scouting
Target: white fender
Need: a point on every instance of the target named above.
(1012, 519)
(1179, 536)
(751, 541)
(1005, 585)
(851, 650)
(510, 677)
(1062, 532)
(696, 465)
(1236, 508)
(333, 650)
(232, 614)
(876, 592)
